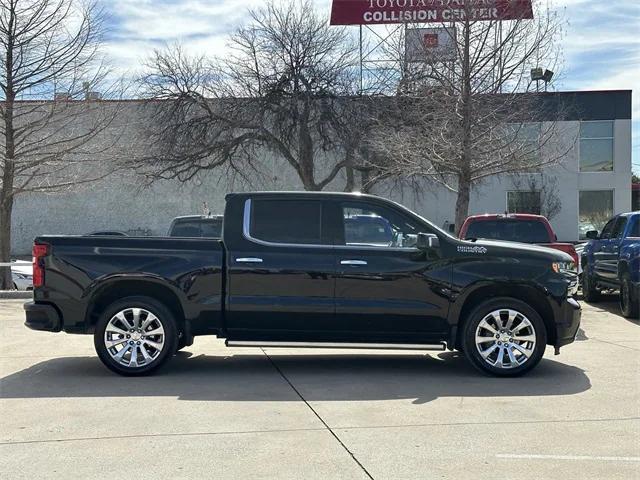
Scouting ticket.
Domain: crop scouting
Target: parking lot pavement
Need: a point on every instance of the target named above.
(246, 413)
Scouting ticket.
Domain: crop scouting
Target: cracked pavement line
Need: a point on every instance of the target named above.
(351, 454)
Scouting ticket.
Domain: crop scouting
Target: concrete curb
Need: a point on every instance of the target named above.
(16, 294)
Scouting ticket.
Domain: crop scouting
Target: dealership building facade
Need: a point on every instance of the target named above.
(591, 183)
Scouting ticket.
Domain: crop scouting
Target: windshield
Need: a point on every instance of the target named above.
(524, 231)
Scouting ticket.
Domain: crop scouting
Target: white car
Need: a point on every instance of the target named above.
(22, 276)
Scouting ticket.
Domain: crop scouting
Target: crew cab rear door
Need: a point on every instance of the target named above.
(280, 268)
(387, 289)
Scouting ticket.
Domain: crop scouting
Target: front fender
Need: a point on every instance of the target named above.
(629, 260)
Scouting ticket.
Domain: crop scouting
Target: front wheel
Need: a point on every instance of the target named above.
(589, 292)
(135, 336)
(629, 303)
(504, 337)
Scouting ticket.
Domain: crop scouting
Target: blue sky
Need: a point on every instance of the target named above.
(601, 43)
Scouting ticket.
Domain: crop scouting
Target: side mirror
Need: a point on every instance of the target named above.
(592, 234)
(427, 240)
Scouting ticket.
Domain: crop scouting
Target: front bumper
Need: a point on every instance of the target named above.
(568, 323)
(41, 316)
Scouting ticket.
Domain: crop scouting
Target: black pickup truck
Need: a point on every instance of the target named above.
(308, 270)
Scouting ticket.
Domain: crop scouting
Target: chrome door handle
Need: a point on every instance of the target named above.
(248, 260)
(352, 262)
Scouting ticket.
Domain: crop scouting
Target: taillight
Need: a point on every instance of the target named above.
(39, 252)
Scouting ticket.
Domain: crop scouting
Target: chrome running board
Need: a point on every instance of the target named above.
(366, 346)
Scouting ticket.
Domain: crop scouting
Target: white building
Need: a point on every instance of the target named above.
(592, 183)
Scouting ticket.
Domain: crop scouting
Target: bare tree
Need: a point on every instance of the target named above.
(49, 55)
(537, 194)
(461, 119)
(276, 89)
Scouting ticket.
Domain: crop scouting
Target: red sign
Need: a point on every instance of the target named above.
(370, 12)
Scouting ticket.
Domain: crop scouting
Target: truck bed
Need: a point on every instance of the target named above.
(188, 270)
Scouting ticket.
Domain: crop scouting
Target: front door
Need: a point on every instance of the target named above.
(603, 253)
(609, 261)
(281, 282)
(387, 289)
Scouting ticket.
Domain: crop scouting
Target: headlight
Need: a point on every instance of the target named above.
(23, 276)
(564, 267)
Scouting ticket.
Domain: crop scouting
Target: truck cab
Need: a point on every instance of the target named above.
(611, 261)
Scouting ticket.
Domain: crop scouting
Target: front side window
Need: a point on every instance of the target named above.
(377, 227)
(618, 229)
(595, 208)
(524, 202)
(607, 230)
(286, 221)
(635, 229)
(596, 146)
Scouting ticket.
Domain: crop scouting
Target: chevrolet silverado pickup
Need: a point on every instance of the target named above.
(316, 270)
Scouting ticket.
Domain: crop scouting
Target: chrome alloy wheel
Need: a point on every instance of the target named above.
(134, 337)
(505, 338)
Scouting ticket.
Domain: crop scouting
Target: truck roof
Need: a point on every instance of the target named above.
(197, 217)
(301, 193)
(505, 216)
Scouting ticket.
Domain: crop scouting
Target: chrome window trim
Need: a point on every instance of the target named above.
(246, 226)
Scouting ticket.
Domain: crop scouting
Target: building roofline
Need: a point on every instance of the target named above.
(145, 100)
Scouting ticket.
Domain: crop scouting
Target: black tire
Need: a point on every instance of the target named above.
(629, 301)
(589, 292)
(482, 311)
(164, 318)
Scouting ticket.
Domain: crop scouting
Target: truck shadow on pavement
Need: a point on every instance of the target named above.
(318, 377)
(611, 304)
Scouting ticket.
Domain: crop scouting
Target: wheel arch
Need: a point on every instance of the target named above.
(527, 294)
(623, 268)
(113, 290)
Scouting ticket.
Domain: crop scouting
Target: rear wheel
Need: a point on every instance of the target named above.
(629, 301)
(135, 336)
(589, 292)
(504, 337)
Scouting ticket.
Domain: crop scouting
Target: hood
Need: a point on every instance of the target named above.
(513, 249)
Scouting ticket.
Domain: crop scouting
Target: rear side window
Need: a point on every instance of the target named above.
(286, 221)
(524, 231)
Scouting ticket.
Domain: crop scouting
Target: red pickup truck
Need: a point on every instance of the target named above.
(515, 227)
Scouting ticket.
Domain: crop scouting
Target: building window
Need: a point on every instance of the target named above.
(596, 146)
(524, 202)
(595, 207)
